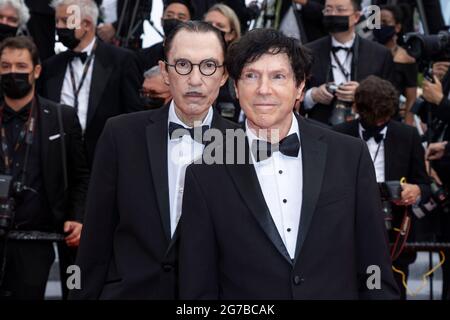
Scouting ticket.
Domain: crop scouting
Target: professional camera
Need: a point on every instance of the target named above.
(428, 47)
(6, 205)
(440, 195)
(342, 110)
(390, 191)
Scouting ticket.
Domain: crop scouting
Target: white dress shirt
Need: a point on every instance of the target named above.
(109, 9)
(67, 94)
(373, 146)
(345, 58)
(180, 154)
(281, 180)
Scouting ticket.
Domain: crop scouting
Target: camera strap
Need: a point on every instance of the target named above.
(402, 236)
(25, 136)
(76, 90)
(344, 72)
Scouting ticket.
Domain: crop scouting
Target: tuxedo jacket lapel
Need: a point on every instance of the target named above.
(100, 76)
(314, 155)
(156, 136)
(246, 181)
(55, 81)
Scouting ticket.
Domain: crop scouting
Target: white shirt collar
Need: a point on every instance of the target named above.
(252, 136)
(174, 118)
(348, 44)
(90, 47)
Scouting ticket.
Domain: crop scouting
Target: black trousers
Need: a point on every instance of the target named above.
(27, 268)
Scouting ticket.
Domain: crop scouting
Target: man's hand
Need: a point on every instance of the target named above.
(302, 2)
(440, 69)
(346, 91)
(321, 95)
(435, 151)
(106, 32)
(73, 229)
(432, 92)
(410, 194)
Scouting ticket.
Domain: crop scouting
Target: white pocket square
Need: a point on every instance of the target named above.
(56, 136)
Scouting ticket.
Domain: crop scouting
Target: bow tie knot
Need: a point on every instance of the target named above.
(289, 146)
(338, 48)
(177, 131)
(9, 114)
(81, 55)
(377, 136)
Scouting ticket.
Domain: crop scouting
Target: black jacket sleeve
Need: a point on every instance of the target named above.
(100, 220)
(78, 172)
(198, 275)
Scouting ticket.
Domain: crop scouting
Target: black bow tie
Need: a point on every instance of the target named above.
(336, 49)
(176, 131)
(289, 146)
(23, 114)
(367, 134)
(82, 55)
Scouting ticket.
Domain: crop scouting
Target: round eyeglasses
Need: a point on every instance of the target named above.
(184, 67)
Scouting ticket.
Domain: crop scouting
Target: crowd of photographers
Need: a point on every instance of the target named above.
(373, 77)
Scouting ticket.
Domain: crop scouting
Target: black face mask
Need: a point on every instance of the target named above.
(7, 31)
(15, 85)
(67, 37)
(169, 24)
(334, 24)
(372, 127)
(152, 103)
(384, 34)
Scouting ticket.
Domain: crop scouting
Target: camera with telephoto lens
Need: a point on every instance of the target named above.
(7, 205)
(390, 191)
(428, 48)
(342, 110)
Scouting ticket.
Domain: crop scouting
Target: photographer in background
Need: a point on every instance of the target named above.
(42, 156)
(397, 153)
(343, 59)
(438, 94)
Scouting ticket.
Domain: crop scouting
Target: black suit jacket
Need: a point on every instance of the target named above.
(67, 203)
(403, 155)
(230, 247)
(126, 249)
(310, 17)
(369, 58)
(115, 85)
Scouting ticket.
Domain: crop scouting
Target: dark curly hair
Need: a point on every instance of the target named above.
(376, 99)
(257, 42)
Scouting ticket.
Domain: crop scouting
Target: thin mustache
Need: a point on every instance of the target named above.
(194, 92)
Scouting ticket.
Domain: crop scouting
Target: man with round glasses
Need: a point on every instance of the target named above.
(128, 248)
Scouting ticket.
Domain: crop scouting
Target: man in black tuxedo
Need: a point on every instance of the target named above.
(128, 246)
(302, 19)
(106, 79)
(343, 58)
(301, 221)
(41, 149)
(397, 153)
